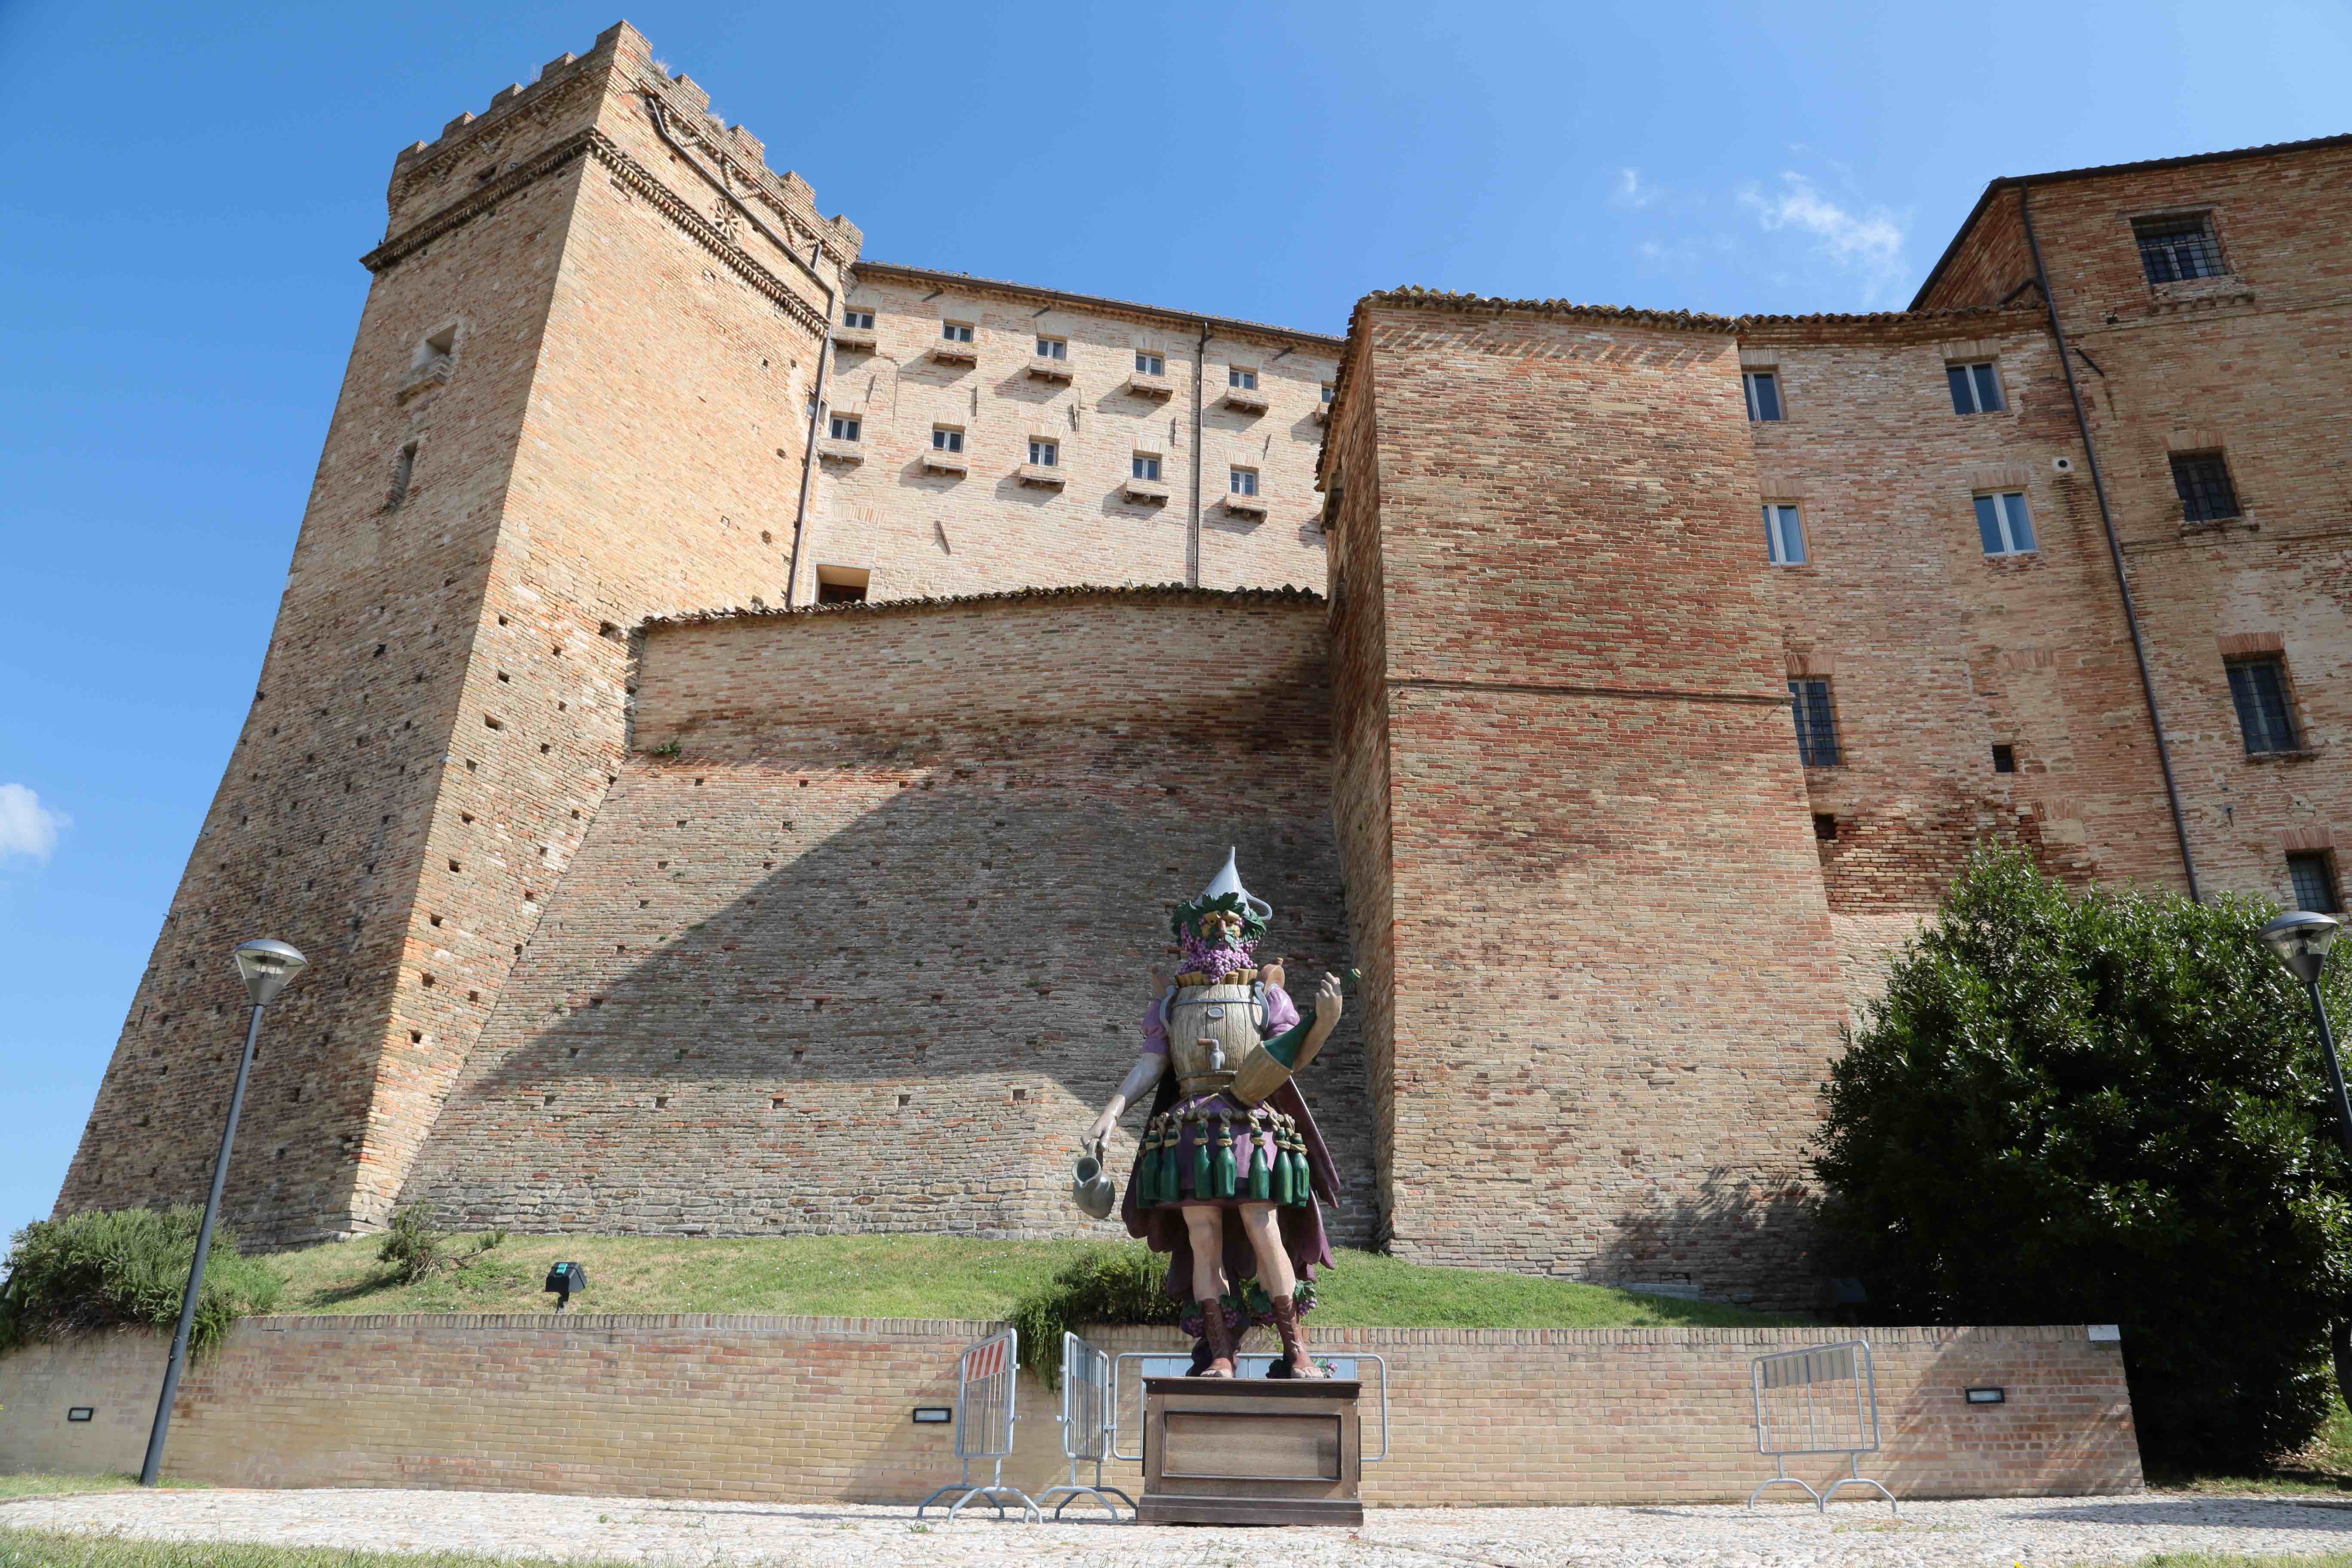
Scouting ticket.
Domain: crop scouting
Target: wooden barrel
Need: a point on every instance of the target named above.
(1211, 1029)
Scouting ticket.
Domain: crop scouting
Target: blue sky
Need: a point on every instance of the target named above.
(189, 187)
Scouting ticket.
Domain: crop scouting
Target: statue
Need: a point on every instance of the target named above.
(1229, 1168)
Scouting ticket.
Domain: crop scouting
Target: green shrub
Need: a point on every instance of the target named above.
(1104, 1284)
(415, 1247)
(2105, 1108)
(125, 1268)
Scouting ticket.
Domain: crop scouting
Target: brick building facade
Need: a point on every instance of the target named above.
(713, 798)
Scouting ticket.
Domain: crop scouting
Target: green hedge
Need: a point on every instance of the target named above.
(126, 1268)
(1109, 1284)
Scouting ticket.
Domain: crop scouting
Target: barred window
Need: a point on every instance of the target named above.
(1817, 738)
(1763, 394)
(2313, 876)
(2174, 248)
(2258, 686)
(2204, 480)
(1784, 535)
(1976, 388)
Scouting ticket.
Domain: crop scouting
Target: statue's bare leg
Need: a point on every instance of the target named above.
(1260, 1223)
(1205, 1225)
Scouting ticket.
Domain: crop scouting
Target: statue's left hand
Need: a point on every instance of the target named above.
(1327, 1004)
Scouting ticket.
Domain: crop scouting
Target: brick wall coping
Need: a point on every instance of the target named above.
(969, 1329)
(1130, 593)
(1229, 325)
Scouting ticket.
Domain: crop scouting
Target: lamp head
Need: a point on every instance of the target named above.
(2302, 938)
(266, 966)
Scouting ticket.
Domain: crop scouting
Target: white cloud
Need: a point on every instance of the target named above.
(1868, 244)
(27, 828)
(1630, 188)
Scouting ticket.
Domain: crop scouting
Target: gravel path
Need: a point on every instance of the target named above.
(2042, 1532)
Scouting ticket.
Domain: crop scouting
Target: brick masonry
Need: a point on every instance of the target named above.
(819, 1409)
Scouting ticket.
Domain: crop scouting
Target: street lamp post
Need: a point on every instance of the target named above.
(265, 967)
(2301, 939)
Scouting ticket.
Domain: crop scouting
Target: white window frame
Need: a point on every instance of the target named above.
(2006, 520)
(955, 332)
(946, 437)
(1145, 466)
(1784, 524)
(1992, 367)
(1241, 482)
(1330, 391)
(845, 427)
(1149, 364)
(857, 320)
(1045, 453)
(1053, 348)
(1747, 379)
(1241, 376)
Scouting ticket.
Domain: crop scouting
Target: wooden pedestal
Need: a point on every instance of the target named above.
(1251, 1451)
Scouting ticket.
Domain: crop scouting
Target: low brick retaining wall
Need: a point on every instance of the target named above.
(819, 1409)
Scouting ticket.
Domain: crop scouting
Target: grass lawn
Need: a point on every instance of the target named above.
(921, 1277)
(2324, 1466)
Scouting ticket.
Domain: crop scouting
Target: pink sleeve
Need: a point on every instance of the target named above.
(1155, 1032)
(1281, 1012)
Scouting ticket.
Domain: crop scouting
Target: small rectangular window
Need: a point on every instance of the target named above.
(2313, 876)
(1149, 364)
(1245, 379)
(1053, 348)
(1245, 481)
(857, 320)
(1329, 391)
(1763, 394)
(839, 586)
(1976, 388)
(2004, 759)
(956, 332)
(2175, 249)
(2258, 687)
(1817, 737)
(2004, 524)
(1044, 454)
(2202, 480)
(1147, 465)
(946, 439)
(846, 427)
(1784, 535)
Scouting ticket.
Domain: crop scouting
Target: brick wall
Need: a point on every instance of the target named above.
(871, 949)
(1615, 985)
(818, 1409)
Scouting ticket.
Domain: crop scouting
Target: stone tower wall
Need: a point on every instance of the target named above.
(869, 951)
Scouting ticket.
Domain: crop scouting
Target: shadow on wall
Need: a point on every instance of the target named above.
(876, 990)
(1745, 1227)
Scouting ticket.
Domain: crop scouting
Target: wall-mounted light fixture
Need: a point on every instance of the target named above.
(81, 1413)
(934, 1414)
(1987, 1396)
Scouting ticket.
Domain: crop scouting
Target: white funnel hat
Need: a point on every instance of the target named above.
(1229, 880)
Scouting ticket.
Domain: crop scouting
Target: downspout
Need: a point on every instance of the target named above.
(825, 338)
(1192, 537)
(2115, 545)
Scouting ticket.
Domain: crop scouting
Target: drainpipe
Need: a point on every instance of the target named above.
(825, 338)
(1193, 537)
(2115, 545)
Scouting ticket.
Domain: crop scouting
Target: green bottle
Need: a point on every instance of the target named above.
(1226, 1173)
(1261, 1180)
(1201, 1163)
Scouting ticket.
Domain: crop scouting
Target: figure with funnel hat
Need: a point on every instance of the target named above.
(1229, 1172)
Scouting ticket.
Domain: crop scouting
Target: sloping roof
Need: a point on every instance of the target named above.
(1131, 592)
(1232, 324)
(2100, 170)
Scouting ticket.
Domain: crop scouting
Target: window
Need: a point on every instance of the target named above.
(1976, 388)
(1245, 379)
(434, 353)
(404, 467)
(846, 426)
(2004, 759)
(2005, 525)
(1245, 481)
(1147, 465)
(1148, 363)
(1825, 826)
(1784, 535)
(2174, 248)
(2258, 686)
(956, 332)
(2204, 480)
(946, 439)
(1763, 394)
(1817, 740)
(857, 320)
(2313, 875)
(1053, 348)
(1329, 390)
(842, 584)
(1044, 454)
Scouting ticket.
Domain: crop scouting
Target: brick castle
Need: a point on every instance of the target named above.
(739, 713)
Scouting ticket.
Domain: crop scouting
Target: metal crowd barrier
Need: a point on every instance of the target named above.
(985, 1390)
(1089, 1421)
(1158, 1364)
(1819, 1400)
